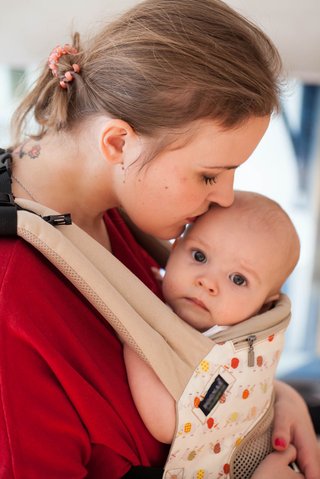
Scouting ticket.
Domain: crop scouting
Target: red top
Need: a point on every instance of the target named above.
(65, 406)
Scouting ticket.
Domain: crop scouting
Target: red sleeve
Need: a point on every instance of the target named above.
(65, 406)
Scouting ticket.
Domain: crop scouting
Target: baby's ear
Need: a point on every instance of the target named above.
(269, 302)
(272, 298)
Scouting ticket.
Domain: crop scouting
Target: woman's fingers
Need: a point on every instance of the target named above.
(283, 415)
(281, 436)
(292, 424)
(308, 452)
(276, 466)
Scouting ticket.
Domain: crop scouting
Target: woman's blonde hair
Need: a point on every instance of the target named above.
(160, 66)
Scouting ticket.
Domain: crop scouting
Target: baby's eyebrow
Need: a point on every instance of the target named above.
(197, 241)
(250, 270)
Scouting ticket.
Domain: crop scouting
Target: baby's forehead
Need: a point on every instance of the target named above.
(218, 215)
(244, 211)
(248, 222)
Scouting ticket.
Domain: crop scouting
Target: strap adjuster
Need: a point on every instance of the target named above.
(6, 199)
(57, 220)
(8, 208)
(5, 162)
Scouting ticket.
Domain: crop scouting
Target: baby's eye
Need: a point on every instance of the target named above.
(238, 279)
(199, 256)
(209, 180)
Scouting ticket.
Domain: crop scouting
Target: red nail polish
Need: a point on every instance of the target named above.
(280, 443)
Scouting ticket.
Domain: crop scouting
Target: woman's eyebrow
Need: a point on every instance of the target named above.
(231, 167)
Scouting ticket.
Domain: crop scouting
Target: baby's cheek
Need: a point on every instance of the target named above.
(166, 286)
(170, 288)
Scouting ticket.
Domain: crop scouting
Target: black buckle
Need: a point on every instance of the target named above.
(8, 213)
(57, 220)
(6, 160)
(6, 199)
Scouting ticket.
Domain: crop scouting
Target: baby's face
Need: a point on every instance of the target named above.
(222, 271)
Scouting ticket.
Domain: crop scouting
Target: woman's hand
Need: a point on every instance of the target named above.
(292, 425)
(275, 465)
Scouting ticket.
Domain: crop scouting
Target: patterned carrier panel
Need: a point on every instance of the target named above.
(229, 394)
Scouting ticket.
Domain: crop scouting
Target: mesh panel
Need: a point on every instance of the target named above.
(253, 449)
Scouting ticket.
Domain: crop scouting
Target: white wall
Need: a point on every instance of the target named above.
(30, 29)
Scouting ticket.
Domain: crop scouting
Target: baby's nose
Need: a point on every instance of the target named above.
(207, 284)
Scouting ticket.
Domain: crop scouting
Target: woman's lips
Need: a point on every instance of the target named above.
(192, 219)
(197, 302)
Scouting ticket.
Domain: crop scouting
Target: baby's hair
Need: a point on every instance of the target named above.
(160, 66)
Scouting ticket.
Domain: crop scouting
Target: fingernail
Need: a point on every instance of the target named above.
(280, 443)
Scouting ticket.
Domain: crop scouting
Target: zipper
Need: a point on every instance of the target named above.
(248, 341)
(251, 339)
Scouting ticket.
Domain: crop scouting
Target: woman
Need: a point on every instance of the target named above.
(154, 115)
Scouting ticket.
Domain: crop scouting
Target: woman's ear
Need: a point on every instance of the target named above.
(116, 133)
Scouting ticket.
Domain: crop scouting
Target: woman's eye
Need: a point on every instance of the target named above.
(238, 279)
(199, 256)
(209, 180)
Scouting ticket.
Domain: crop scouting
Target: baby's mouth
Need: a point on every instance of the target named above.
(198, 303)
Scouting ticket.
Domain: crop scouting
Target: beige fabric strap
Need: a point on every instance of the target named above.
(171, 347)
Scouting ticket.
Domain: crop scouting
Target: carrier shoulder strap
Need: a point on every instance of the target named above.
(140, 318)
(8, 209)
(137, 315)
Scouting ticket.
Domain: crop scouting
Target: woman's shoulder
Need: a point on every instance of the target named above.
(11, 248)
(19, 257)
(38, 302)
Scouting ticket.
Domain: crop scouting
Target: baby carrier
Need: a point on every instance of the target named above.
(223, 386)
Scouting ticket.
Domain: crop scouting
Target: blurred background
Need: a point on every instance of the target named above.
(285, 166)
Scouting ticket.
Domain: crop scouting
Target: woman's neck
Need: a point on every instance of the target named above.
(53, 172)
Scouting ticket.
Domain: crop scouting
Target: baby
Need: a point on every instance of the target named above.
(228, 266)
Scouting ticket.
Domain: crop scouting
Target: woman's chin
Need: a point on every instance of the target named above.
(170, 233)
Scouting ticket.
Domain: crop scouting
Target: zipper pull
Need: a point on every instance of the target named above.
(251, 339)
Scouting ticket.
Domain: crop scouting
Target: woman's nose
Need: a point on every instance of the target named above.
(222, 192)
(208, 285)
